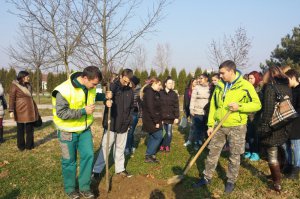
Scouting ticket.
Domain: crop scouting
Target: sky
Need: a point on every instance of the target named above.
(190, 25)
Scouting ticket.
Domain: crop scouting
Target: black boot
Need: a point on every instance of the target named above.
(1, 135)
(276, 176)
(294, 174)
(287, 169)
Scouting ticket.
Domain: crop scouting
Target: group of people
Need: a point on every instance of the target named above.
(250, 102)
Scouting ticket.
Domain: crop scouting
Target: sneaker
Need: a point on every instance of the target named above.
(254, 157)
(200, 142)
(96, 176)
(150, 159)
(73, 195)
(167, 149)
(196, 147)
(87, 194)
(247, 155)
(161, 148)
(133, 149)
(127, 151)
(202, 182)
(187, 143)
(229, 187)
(125, 174)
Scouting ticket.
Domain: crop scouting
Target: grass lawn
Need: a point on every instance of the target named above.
(37, 173)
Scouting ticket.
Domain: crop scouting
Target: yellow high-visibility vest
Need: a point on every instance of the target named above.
(76, 100)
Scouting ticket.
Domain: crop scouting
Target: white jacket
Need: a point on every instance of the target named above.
(199, 99)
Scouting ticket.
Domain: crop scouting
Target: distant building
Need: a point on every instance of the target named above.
(44, 82)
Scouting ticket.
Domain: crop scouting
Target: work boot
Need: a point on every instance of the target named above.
(1, 135)
(73, 195)
(87, 194)
(229, 187)
(294, 175)
(276, 176)
(202, 182)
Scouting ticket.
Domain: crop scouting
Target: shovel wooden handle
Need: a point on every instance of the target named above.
(206, 142)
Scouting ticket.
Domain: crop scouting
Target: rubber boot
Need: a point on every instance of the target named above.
(276, 176)
(1, 135)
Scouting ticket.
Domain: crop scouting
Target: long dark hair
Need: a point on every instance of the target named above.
(21, 76)
(275, 72)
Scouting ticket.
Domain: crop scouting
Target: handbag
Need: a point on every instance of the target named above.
(39, 122)
(183, 122)
(284, 112)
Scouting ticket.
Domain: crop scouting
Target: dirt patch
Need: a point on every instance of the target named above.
(142, 187)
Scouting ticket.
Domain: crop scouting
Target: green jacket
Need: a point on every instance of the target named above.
(240, 91)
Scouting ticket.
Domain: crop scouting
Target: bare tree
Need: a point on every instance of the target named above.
(235, 48)
(215, 55)
(138, 60)
(162, 57)
(111, 40)
(32, 50)
(64, 21)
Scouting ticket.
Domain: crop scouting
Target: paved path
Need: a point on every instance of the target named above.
(11, 122)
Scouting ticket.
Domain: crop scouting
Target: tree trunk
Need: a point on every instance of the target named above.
(38, 84)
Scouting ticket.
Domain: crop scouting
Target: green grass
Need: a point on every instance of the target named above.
(37, 173)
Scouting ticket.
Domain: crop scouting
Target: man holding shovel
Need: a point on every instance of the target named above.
(120, 120)
(73, 106)
(237, 95)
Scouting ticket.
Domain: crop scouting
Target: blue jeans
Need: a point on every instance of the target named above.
(130, 136)
(168, 136)
(288, 152)
(154, 142)
(296, 152)
(198, 128)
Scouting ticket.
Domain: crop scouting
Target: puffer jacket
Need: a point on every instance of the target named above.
(151, 105)
(268, 136)
(199, 100)
(22, 103)
(169, 106)
(240, 91)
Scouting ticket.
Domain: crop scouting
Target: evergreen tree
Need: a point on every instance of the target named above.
(50, 82)
(288, 52)
(137, 73)
(174, 74)
(144, 77)
(181, 81)
(11, 75)
(198, 72)
(3, 78)
(153, 73)
(165, 74)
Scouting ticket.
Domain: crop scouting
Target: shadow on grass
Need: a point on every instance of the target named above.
(46, 139)
(183, 189)
(12, 195)
(13, 131)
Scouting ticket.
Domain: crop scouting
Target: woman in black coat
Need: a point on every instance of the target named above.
(152, 121)
(273, 139)
(293, 132)
(170, 112)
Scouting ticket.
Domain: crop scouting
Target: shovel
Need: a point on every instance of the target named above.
(176, 179)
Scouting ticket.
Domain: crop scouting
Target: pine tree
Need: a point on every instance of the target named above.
(181, 81)
(174, 77)
(144, 77)
(11, 75)
(153, 73)
(165, 74)
(50, 82)
(198, 72)
(137, 73)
